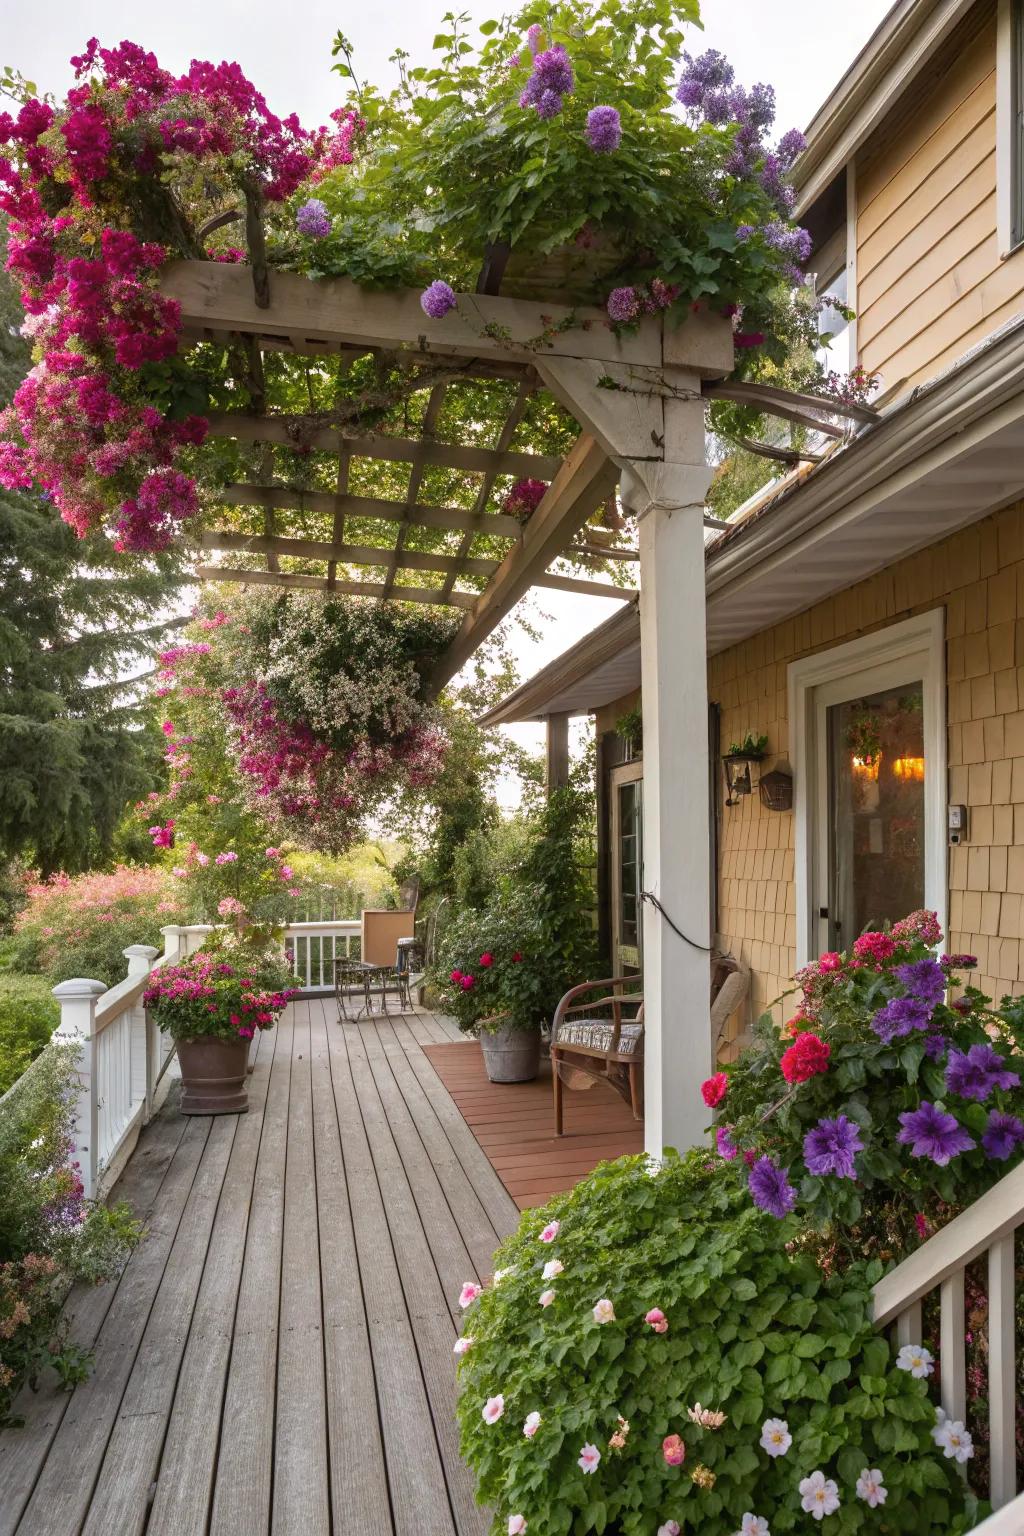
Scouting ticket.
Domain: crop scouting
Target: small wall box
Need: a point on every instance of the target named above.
(957, 824)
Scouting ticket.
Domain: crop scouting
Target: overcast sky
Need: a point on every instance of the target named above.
(802, 47)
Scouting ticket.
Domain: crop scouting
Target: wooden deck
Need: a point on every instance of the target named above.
(514, 1124)
(277, 1356)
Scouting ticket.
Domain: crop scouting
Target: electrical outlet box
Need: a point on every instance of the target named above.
(957, 821)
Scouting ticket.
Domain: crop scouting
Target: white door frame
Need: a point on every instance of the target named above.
(912, 649)
(624, 773)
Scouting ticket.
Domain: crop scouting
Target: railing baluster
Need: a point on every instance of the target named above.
(909, 1328)
(952, 1346)
(1002, 1371)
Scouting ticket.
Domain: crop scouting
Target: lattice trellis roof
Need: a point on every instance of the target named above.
(441, 535)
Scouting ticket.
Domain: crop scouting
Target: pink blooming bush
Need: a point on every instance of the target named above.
(226, 990)
(79, 926)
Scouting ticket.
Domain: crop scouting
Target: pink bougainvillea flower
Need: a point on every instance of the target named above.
(604, 1312)
(469, 1293)
(714, 1089)
(463, 1345)
(493, 1409)
(589, 1458)
(657, 1320)
(516, 1525)
(673, 1449)
(550, 1232)
(531, 1424)
(546, 1298)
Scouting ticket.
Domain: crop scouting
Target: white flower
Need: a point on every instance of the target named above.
(550, 1232)
(604, 1312)
(531, 1424)
(775, 1437)
(546, 1298)
(652, 1167)
(915, 1359)
(463, 1345)
(516, 1525)
(670, 1528)
(953, 1439)
(819, 1495)
(753, 1525)
(588, 1458)
(469, 1293)
(499, 1274)
(870, 1487)
(552, 1268)
(493, 1409)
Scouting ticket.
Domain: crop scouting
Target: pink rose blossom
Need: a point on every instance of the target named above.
(531, 1424)
(550, 1232)
(469, 1293)
(673, 1449)
(657, 1320)
(493, 1409)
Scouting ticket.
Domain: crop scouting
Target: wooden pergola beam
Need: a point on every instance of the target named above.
(584, 480)
(347, 554)
(296, 431)
(766, 396)
(329, 503)
(285, 579)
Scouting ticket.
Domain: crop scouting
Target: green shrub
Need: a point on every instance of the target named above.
(28, 1016)
(755, 1328)
(494, 964)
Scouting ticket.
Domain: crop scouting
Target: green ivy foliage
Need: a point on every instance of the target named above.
(756, 1328)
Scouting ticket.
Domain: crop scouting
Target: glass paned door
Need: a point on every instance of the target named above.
(627, 866)
(876, 810)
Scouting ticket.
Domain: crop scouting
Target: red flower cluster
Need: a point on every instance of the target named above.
(714, 1089)
(805, 1058)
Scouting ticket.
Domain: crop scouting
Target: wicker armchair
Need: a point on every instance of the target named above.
(602, 1037)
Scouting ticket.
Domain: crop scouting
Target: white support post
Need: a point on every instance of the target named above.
(77, 999)
(140, 959)
(669, 500)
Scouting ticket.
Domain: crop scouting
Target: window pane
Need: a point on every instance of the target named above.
(630, 862)
(876, 811)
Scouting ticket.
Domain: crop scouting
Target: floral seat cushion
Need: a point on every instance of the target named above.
(597, 1035)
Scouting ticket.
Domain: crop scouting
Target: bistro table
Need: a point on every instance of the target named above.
(363, 979)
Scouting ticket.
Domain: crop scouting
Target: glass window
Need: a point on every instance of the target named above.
(876, 811)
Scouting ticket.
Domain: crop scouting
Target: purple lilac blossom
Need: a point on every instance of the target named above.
(978, 1073)
(604, 129)
(790, 145)
(623, 305)
(710, 71)
(744, 231)
(313, 219)
(437, 300)
(727, 1148)
(770, 1188)
(900, 1016)
(534, 35)
(1003, 1135)
(930, 1132)
(830, 1147)
(548, 104)
(792, 242)
(923, 979)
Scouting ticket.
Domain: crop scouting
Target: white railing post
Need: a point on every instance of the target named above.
(195, 936)
(172, 942)
(77, 999)
(140, 959)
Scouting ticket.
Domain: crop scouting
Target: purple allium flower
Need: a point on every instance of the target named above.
(830, 1147)
(924, 980)
(727, 1148)
(790, 145)
(548, 104)
(313, 219)
(931, 1132)
(437, 300)
(623, 305)
(604, 129)
(1003, 1135)
(978, 1073)
(900, 1016)
(770, 1188)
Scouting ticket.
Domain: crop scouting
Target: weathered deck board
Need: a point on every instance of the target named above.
(276, 1359)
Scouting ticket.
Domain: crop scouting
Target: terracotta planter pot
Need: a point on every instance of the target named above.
(511, 1055)
(213, 1076)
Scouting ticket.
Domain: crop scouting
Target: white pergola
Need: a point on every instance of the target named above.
(639, 404)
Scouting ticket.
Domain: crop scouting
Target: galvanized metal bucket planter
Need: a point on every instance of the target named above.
(511, 1055)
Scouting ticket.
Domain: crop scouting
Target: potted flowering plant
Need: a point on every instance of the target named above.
(212, 1005)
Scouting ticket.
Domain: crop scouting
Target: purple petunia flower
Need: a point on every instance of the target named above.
(604, 129)
(900, 1016)
(935, 1047)
(313, 219)
(931, 1132)
(978, 1073)
(1003, 1135)
(830, 1147)
(770, 1188)
(623, 305)
(727, 1148)
(924, 980)
(437, 300)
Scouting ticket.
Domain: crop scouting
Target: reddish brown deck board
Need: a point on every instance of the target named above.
(514, 1124)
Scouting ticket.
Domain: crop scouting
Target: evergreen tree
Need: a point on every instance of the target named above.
(77, 621)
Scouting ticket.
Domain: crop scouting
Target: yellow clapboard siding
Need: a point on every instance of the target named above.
(923, 134)
(957, 208)
(931, 251)
(917, 199)
(954, 330)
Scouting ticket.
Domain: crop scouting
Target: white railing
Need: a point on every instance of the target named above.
(312, 949)
(122, 1055)
(988, 1227)
(1008, 1521)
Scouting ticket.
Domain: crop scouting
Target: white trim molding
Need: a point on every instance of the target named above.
(918, 646)
(1008, 168)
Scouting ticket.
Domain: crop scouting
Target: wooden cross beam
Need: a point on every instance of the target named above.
(286, 579)
(330, 503)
